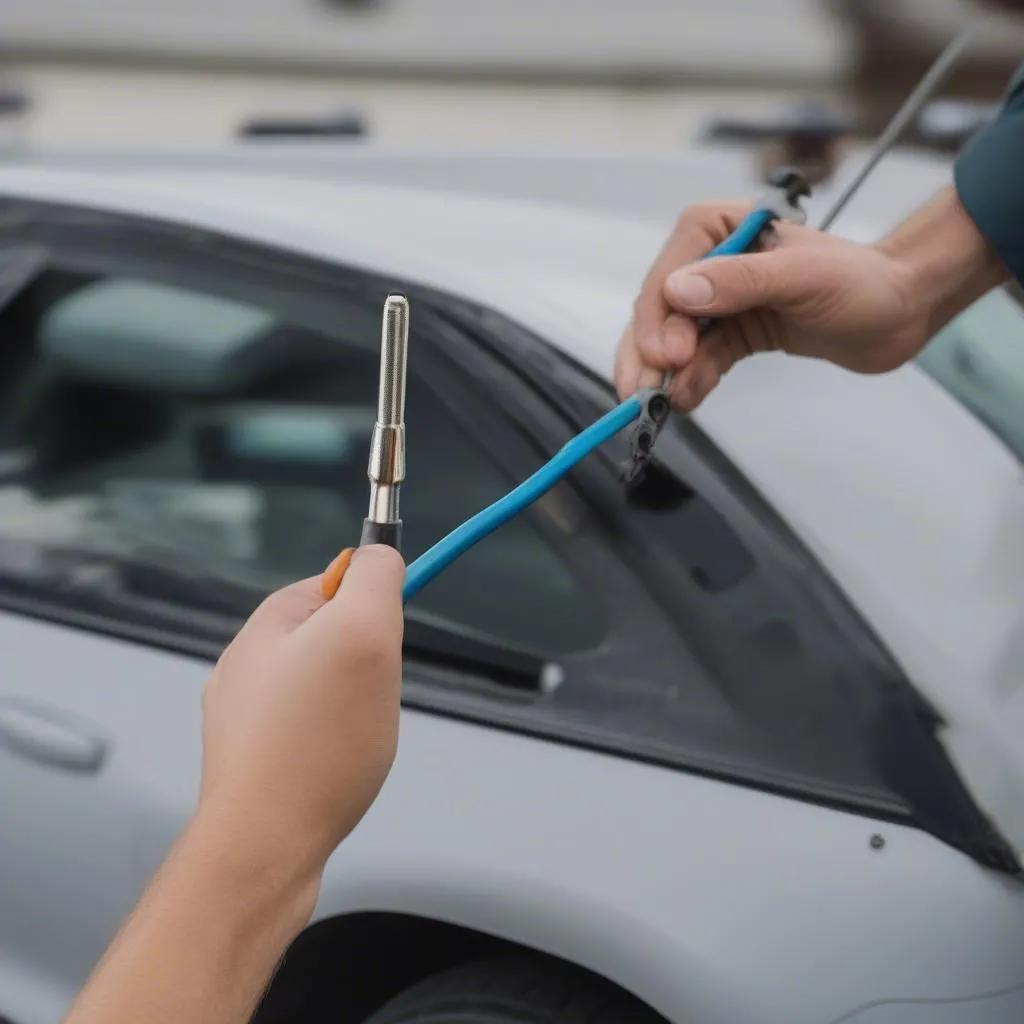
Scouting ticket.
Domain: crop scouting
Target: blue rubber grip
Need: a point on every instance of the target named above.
(744, 237)
(435, 560)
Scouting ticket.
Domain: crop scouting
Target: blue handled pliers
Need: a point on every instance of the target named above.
(648, 409)
(781, 202)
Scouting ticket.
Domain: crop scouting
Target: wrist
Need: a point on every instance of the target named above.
(266, 873)
(940, 263)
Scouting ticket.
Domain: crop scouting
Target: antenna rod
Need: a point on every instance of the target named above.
(912, 106)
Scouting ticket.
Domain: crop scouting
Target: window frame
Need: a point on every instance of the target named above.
(509, 425)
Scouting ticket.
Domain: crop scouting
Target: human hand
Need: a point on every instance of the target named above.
(806, 293)
(300, 716)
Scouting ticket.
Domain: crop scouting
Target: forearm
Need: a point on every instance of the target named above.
(206, 937)
(945, 263)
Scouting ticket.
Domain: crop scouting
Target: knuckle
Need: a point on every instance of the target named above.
(684, 220)
(694, 216)
(699, 213)
(748, 276)
(703, 211)
(711, 216)
(744, 279)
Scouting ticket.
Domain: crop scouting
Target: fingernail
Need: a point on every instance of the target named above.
(375, 551)
(694, 291)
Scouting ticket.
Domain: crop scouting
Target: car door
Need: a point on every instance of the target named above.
(184, 422)
(175, 445)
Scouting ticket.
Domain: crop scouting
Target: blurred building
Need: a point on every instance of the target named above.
(591, 40)
(894, 41)
(560, 73)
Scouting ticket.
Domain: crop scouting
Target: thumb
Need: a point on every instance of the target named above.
(726, 285)
(368, 605)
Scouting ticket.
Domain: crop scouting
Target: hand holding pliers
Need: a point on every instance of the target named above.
(780, 202)
(648, 411)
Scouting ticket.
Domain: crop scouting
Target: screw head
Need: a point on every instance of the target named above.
(658, 408)
(876, 842)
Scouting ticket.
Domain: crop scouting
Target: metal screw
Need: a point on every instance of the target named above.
(877, 842)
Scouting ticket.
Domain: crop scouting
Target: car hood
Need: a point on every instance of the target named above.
(910, 503)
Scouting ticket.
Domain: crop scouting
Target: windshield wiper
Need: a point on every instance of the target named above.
(145, 586)
(434, 642)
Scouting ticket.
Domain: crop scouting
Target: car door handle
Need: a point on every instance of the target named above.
(50, 736)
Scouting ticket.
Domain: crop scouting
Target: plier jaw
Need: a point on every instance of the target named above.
(654, 413)
(780, 202)
(788, 187)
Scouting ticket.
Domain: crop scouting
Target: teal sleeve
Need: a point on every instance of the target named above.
(989, 179)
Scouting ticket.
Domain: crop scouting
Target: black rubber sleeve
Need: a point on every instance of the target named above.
(382, 533)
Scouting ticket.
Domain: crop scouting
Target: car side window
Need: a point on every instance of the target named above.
(979, 359)
(140, 417)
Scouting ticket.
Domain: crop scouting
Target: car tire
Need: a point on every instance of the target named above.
(514, 991)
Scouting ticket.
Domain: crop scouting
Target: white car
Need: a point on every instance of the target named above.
(754, 757)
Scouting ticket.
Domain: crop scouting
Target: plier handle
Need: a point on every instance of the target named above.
(780, 202)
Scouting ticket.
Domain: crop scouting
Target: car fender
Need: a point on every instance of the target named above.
(706, 900)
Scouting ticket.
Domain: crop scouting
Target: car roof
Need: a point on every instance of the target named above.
(650, 185)
(901, 493)
(496, 225)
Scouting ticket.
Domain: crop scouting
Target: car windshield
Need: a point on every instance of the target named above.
(979, 359)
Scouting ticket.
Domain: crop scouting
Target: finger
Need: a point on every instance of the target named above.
(716, 356)
(285, 609)
(651, 377)
(367, 605)
(627, 365)
(698, 230)
(652, 351)
(631, 372)
(376, 572)
(680, 347)
(681, 340)
(727, 285)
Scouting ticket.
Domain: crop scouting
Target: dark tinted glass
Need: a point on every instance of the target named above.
(979, 359)
(177, 425)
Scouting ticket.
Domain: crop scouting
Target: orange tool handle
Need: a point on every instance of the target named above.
(335, 573)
